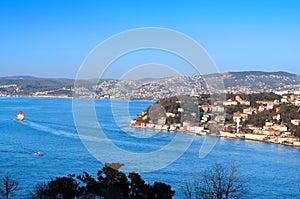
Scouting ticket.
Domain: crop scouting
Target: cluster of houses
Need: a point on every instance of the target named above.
(271, 132)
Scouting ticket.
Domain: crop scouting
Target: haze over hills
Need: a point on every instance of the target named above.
(246, 82)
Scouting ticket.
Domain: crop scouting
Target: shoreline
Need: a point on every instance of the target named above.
(225, 137)
(67, 97)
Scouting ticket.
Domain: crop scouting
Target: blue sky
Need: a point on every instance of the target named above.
(51, 38)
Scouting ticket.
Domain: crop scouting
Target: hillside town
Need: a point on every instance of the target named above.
(239, 82)
(150, 89)
(271, 118)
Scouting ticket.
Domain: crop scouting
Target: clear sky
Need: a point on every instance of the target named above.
(51, 38)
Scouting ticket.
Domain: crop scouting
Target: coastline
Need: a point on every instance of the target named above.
(40, 96)
(68, 97)
(239, 136)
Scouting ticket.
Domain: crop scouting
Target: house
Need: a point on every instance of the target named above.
(270, 106)
(181, 110)
(253, 136)
(282, 139)
(250, 111)
(238, 98)
(161, 121)
(297, 101)
(287, 134)
(168, 114)
(165, 128)
(186, 123)
(264, 102)
(227, 134)
(276, 117)
(245, 103)
(173, 128)
(230, 102)
(295, 122)
(158, 127)
(279, 127)
(241, 101)
(269, 124)
(150, 125)
(136, 123)
(270, 132)
(195, 129)
(218, 109)
(284, 99)
(262, 108)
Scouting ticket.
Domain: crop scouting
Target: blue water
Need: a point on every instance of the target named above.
(270, 171)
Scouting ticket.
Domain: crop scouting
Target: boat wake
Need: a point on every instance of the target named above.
(14, 151)
(25, 151)
(50, 130)
(66, 134)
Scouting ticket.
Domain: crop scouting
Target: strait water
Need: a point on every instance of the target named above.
(270, 171)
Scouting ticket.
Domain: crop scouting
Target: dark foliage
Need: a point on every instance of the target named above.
(62, 187)
(110, 184)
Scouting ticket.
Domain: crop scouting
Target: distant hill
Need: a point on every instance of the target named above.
(27, 84)
(245, 81)
(243, 74)
(259, 81)
(237, 82)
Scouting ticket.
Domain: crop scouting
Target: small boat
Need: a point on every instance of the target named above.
(19, 116)
(39, 153)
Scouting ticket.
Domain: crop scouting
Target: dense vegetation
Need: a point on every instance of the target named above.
(109, 184)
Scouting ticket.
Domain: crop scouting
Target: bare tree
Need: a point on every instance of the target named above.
(9, 186)
(217, 182)
(191, 188)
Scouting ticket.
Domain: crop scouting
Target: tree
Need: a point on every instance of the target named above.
(109, 184)
(9, 186)
(62, 187)
(138, 188)
(92, 186)
(162, 190)
(218, 182)
(40, 192)
(113, 183)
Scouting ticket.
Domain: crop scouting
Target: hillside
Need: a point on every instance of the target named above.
(150, 89)
(258, 81)
(236, 82)
(27, 85)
